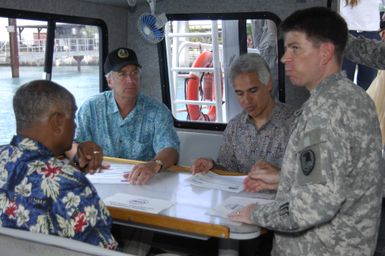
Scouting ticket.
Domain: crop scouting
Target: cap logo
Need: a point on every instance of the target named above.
(123, 53)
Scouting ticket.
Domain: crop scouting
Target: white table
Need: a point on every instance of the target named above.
(188, 216)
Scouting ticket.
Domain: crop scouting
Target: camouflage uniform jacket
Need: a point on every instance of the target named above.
(328, 201)
(366, 51)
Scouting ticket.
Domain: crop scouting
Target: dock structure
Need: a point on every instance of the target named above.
(65, 50)
(69, 48)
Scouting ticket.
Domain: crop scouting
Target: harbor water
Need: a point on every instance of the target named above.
(82, 84)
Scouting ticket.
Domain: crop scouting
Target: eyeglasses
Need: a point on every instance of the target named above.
(132, 74)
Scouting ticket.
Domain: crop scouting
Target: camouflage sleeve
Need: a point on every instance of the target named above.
(365, 51)
(316, 193)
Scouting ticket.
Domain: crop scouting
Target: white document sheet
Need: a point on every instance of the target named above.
(216, 181)
(234, 203)
(113, 175)
(138, 203)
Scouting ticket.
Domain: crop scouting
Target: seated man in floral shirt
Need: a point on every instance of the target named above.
(38, 191)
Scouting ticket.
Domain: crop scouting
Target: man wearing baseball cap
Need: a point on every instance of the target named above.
(126, 123)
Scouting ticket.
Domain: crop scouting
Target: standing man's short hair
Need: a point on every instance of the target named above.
(320, 25)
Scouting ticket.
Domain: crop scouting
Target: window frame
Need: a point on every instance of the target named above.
(163, 67)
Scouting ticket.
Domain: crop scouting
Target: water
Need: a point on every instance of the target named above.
(81, 84)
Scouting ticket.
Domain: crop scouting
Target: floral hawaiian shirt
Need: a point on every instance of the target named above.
(42, 194)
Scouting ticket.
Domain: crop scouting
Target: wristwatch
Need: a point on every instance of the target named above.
(160, 163)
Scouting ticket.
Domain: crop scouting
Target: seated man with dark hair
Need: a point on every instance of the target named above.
(39, 191)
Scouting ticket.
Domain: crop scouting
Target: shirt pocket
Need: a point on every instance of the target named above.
(310, 160)
(143, 147)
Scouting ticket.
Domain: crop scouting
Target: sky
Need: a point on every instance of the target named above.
(27, 33)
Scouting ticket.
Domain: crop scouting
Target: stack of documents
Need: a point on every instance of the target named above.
(138, 203)
(112, 175)
(215, 181)
(233, 204)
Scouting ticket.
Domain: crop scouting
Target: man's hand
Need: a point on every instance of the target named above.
(243, 215)
(202, 165)
(382, 34)
(262, 176)
(142, 172)
(90, 157)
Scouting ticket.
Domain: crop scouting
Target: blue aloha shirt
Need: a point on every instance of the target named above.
(43, 194)
(145, 131)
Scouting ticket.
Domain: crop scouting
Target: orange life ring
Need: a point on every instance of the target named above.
(201, 85)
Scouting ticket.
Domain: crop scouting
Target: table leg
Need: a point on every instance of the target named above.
(228, 247)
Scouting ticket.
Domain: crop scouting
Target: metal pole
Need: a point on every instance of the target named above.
(171, 62)
(217, 76)
(13, 48)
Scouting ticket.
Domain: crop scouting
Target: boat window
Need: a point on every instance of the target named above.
(76, 59)
(197, 53)
(64, 49)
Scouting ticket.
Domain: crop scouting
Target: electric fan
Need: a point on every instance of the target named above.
(150, 26)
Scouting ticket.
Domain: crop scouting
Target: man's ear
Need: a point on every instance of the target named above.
(269, 85)
(56, 122)
(327, 52)
(109, 81)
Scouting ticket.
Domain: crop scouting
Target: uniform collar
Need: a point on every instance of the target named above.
(327, 83)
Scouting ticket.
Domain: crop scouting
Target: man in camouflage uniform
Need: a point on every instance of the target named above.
(328, 200)
(371, 53)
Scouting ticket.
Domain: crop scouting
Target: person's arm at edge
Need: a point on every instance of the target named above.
(365, 51)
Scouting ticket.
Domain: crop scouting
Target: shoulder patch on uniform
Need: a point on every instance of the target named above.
(307, 159)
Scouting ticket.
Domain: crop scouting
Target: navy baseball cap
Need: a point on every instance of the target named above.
(119, 58)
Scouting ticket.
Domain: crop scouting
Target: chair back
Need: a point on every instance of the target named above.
(15, 242)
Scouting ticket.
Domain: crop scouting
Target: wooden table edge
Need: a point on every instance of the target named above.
(169, 223)
(175, 168)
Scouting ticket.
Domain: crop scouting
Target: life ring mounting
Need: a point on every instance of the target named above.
(201, 86)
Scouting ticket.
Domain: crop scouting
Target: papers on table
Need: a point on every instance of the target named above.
(215, 181)
(234, 203)
(113, 175)
(138, 203)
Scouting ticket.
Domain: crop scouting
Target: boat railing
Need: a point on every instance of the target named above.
(179, 62)
(64, 47)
